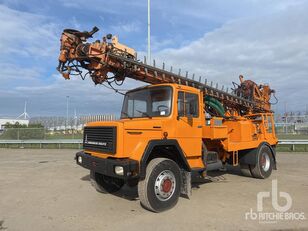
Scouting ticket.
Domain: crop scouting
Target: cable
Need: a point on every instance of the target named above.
(275, 99)
(112, 88)
(119, 84)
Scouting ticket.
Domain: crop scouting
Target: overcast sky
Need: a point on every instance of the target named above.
(266, 41)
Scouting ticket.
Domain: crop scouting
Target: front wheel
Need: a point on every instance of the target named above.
(160, 190)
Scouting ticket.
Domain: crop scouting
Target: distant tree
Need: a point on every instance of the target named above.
(36, 125)
(18, 125)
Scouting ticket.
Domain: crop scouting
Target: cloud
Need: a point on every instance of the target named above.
(26, 34)
(12, 72)
(84, 96)
(126, 27)
(115, 7)
(271, 49)
(27, 69)
(28, 43)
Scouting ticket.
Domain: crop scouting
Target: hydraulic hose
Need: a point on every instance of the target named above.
(216, 105)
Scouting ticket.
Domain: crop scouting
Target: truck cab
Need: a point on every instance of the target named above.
(152, 113)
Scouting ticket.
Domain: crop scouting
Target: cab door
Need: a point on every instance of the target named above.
(189, 124)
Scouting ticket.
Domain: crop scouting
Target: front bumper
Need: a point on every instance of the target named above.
(107, 166)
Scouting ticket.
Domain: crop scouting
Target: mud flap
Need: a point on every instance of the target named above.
(186, 183)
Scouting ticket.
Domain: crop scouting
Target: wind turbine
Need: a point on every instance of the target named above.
(25, 115)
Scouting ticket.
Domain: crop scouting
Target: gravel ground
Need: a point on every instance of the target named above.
(46, 190)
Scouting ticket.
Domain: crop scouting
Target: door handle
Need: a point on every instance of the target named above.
(134, 133)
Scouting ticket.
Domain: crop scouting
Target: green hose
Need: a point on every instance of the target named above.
(216, 105)
(216, 108)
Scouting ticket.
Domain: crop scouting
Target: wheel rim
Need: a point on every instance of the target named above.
(165, 184)
(265, 161)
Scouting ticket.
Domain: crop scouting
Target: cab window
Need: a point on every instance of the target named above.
(147, 102)
(188, 104)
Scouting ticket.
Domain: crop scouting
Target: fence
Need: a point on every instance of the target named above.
(39, 134)
(293, 145)
(62, 143)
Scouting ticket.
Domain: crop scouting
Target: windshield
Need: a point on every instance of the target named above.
(149, 102)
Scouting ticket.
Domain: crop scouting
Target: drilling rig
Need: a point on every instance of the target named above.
(174, 127)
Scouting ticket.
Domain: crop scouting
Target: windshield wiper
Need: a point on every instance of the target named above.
(144, 113)
(127, 115)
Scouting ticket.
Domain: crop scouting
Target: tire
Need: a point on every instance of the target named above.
(245, 169)
(105, 184)
(161, 188)
(263, 168)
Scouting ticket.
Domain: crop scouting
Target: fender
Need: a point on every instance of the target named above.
(249, 156)
(167, 143)
(273, 150)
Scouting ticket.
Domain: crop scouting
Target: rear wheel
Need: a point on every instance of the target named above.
(105, 184)
(264, 166)
(160, 190)
(245, 169)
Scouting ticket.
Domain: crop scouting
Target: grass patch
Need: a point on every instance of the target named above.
(292, 137)
(289, 148)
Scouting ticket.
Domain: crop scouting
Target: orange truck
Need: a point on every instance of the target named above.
(174, 127)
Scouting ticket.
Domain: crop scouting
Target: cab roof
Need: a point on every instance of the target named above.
(173, 85)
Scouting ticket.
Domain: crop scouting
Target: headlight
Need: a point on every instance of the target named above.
(79, 159)
(119, 170)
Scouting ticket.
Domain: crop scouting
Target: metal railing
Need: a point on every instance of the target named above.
(293, 144)
(59, 142)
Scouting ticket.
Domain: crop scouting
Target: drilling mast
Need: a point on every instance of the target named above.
(101, 58)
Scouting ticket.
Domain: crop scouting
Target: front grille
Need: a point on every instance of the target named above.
(102, 139)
